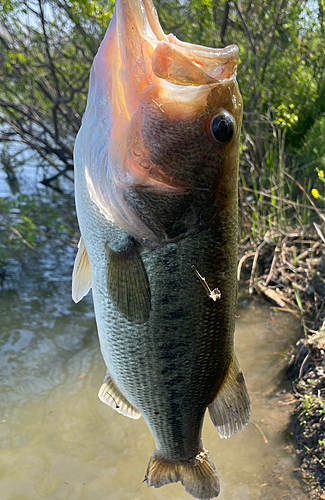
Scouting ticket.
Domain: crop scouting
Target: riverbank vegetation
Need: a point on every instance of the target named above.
(46, 51)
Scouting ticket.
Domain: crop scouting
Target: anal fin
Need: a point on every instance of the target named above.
(230, 409)
(81, 275)
(110, 394)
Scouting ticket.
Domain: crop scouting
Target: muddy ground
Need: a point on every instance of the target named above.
(306, 368)
(289, 270)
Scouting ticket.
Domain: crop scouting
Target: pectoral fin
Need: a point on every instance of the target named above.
(128, 283)
(81, 275)
(112, 396)
(230, 409)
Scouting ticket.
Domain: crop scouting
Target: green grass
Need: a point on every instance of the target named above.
(276, 188)
(312, 406)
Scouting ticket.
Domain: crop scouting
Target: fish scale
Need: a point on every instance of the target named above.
(156, 197)
(135, 351)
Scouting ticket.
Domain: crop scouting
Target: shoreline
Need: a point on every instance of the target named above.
(288, 270)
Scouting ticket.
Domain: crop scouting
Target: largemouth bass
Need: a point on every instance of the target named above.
(156, 167)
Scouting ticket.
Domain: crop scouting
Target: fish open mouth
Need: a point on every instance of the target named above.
(178, 77)
(175, 61)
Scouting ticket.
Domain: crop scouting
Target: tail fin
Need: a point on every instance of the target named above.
(198, 475)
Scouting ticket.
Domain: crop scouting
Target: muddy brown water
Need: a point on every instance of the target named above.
(59, 442)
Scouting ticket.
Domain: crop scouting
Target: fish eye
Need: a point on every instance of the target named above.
(222, 127)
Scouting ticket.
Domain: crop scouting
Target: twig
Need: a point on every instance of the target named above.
(295, 285)
(296, 392)
(20, 236)
(320, 234)
(276, 253)
(241, 262)
(289, 310)
(261, 432)
(277, 296)
(314, 456)
(302, 366)
(311, 207)
(320, 215)
(307, 252)
(52, 68)
(251, 281)
(272, 294)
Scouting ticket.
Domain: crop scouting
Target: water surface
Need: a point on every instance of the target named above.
(59, 442)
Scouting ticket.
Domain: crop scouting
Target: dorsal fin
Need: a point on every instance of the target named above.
(81, 275)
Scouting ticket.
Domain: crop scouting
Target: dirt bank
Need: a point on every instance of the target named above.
(307, 370)
(288, 268)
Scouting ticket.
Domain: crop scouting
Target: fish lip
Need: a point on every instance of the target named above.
(211, 60)
(146, 19)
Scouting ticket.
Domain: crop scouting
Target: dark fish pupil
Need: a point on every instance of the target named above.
(222, 128)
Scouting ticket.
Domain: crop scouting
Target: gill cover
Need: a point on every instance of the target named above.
(134, 59)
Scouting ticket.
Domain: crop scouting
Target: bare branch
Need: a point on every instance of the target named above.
(246, 27)
(224, 22)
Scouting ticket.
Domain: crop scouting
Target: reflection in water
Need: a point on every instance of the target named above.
(59, 442)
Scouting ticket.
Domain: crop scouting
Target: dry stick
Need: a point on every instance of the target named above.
(20, 236)
(261, 432)
(288, 301)
(241, 262)
(302, 366)
(289, 265)
(314, 456)
(289, 235)
(287, 402)
(284, 199)
(315, 332)
(320, 234)
(320, 310)
(289, 310)
(309, 242)
(307, 252)
(276, 253)
(277, 296)
(295, 285)
(296, 392)
(251, 281)
(272, 294)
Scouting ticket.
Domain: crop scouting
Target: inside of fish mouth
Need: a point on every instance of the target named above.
(213, 61)
(151, 17)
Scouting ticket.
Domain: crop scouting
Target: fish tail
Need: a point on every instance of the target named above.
(198, 475)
